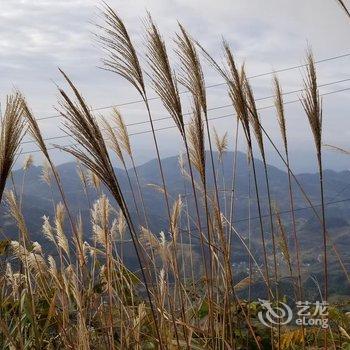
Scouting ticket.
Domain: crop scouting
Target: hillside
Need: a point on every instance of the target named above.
(37, 201)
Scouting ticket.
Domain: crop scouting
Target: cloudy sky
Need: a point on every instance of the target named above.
(38, 36)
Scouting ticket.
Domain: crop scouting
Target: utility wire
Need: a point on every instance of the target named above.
(172, 126)
(210, 86)
(296, 209)
(209, 109)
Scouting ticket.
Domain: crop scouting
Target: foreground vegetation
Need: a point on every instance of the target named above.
(82, 294)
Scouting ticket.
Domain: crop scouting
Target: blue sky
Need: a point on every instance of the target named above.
(37, 37)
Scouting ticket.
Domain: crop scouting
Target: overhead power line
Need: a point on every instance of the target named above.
(289, 211)
(174, 126)
(189, 113)
(122, 104)
(228, 105)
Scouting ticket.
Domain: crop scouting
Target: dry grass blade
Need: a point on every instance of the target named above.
(279, 105)
(195, 134)
(163, 78)
(47, 229)
(282, 239)
(237, 94)
(175, 218)
(61, 238)
(49, 168)
(148, 239)
(254, 120)
(35, 262)
(165, 85)
(156, 187)
(280, 110)
(94, 181)
(292, 338)
(122, 57)
(244, 283)
(159, 244)
(83, 179)
(86, 132)
(311, 102)
(16, 213)
(12, 129)
(34, 131)
(121, 224)
(28, 162)
(220, 143)
(253, 114)
(313, 109)
(46, 173)
(100, 214)
(193, 79)
(118, 140)
(234, 80)
(192, 75)
(122, 132)
(344, 7)
(113, 141)
(336, 148)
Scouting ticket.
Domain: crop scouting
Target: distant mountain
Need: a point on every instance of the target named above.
(38, 199)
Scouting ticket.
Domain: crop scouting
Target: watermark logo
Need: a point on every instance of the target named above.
(312, 314)
(307, 314)
(274, 315)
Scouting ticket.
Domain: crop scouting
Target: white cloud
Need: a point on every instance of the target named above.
(38, 36)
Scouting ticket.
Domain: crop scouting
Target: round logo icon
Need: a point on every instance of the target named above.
(274, 315)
